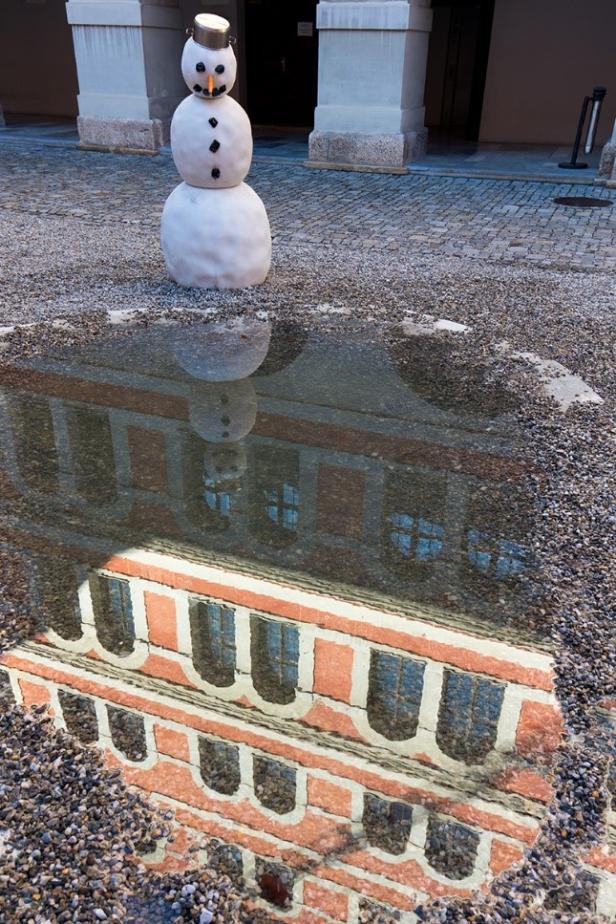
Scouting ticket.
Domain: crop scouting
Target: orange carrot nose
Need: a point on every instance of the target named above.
(210, 82)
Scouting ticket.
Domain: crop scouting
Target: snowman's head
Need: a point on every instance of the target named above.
(209, 66)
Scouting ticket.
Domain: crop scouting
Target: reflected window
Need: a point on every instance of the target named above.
(212, 630)
(226, 859)
(113, 613)
(468, 718)
(499, 559)
(79, 715)
(220, 765)
(282, 505)
(495, 547)
(395, 687)
(451, 849)
(217, 499)
(275, 785)
(35, 443)
(275, 882)
(413, 526)
(59, 597)
(275, 495)
(274, 649)
(415, 537)
(127, 733)
(92, 450)
(387, 824)
(209, 501)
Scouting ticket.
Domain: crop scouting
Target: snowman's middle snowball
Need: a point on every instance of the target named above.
(208, 136)
(216, 238)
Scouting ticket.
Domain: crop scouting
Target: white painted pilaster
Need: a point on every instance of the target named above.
(372, 68)
(128, 65)
(607, 165)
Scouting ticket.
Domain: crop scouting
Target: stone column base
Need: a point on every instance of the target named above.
(364, 151)
(124, 135)
(607, 166)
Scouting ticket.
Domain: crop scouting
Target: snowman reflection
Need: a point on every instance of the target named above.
(223, 401)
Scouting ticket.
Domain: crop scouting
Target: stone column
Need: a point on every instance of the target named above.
(128, 66)
(607, 165)
(372, 69)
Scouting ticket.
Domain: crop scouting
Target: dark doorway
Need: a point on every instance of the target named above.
(38, 74)
(281, 58)
(457, 66)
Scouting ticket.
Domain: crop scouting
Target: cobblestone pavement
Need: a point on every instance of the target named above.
(494, 220)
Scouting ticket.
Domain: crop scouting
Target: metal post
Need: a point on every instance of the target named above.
(573, 163)
(598, 95)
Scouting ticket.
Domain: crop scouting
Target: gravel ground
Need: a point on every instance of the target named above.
(67, 266)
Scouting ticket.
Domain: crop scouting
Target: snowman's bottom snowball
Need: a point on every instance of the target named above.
(216, 238)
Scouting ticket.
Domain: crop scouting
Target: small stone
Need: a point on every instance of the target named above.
(197, 88)
(213, 122)
(215, 173)
(206, 917)
(200, 67)
(100, 914)
(220, 69)
(214, 146)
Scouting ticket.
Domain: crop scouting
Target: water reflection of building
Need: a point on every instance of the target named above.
(360, 743)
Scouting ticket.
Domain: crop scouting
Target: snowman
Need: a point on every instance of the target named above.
(215, 233)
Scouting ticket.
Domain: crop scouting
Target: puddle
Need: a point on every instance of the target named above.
(284, 580)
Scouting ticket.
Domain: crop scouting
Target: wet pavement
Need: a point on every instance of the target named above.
(284, 582)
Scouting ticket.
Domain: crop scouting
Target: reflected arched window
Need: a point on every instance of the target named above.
(413, 525)
(495, 545)
(468, 717)
(208, 501)
(89, 433)
(35, 443)
(275, 881)
(387, 824)
(59, 597)
(274, 651)
(275, 495)
(275, 784)
(220, 765)
(212, 630)
(498, 559)
(395, 687)
(226, 859)
(79, 716)
(451, 849)
(113, 613)
(127, 733)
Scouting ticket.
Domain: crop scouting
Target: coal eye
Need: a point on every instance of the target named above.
(220, 69)
(200, 67)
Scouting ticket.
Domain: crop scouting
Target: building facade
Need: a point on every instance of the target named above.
(368, 78)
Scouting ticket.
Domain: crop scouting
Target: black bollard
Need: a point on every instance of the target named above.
(598, 95)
